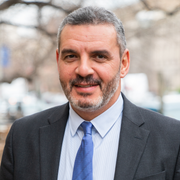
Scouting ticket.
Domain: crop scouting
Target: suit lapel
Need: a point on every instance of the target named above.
(51, 138)
(132, 142)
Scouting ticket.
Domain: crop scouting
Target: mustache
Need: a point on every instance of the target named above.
(88, 80)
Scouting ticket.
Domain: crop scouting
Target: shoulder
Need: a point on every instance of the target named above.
(163, 130)
(40, 119)
(156, 120)
(150, 120)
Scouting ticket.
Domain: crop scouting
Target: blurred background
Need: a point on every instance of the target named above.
(29, 79)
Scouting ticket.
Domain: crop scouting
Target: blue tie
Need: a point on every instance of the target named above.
(83, 162)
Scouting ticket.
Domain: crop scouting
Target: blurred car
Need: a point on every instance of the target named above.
(171, 106)
(27, 105)
(30, 104)
(3, 109)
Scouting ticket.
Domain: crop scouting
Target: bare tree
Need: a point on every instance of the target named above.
(30, 53)
(161, 5)
(7, 4)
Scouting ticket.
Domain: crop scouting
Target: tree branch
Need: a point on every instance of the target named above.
(7, 4)
(42, 4)
(174, 11)
(30, 26)
(146, 4)
(168, 13)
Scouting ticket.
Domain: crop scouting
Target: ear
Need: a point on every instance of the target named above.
(57, 55)
(57, 58)
(125, 63)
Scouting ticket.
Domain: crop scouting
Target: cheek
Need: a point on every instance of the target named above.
(66, 72)
(108, 72)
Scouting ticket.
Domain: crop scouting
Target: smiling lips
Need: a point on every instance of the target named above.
(86, 88)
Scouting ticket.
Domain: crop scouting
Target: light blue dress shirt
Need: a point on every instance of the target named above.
(105, 134)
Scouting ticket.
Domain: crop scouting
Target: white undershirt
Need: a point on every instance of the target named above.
(105, 134)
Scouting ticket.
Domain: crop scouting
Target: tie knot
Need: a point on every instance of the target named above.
(87, 127)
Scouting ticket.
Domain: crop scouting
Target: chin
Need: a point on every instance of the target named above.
(87, 104)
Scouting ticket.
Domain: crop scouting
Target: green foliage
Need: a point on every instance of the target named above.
(178, 90)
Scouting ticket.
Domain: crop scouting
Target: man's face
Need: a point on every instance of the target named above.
(89, 66)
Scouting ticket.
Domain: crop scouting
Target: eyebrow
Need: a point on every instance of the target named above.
(101, 52)
(65, 51)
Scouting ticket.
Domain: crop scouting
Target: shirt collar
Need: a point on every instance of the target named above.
(103, 122)
(74, 120)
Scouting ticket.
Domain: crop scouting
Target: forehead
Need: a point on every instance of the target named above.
(88, 34)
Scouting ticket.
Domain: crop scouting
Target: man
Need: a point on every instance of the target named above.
(124, 142)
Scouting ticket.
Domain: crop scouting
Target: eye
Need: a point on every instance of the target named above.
(70, 56)
(100, 56)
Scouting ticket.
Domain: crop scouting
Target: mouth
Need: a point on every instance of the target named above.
(85, 85)
(84, 88)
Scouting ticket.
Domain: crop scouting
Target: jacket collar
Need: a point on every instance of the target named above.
(133, 138)
(51, 138)
(132, 142)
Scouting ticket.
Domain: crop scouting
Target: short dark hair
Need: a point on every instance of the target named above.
(94, 16)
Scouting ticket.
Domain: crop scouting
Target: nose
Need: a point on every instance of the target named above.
(84, 67)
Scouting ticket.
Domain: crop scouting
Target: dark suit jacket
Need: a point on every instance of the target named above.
(148, 147)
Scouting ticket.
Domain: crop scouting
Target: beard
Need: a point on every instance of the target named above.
(85, 103)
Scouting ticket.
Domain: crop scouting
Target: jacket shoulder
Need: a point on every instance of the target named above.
(149, 119)
(42, 118)
(159, 122)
